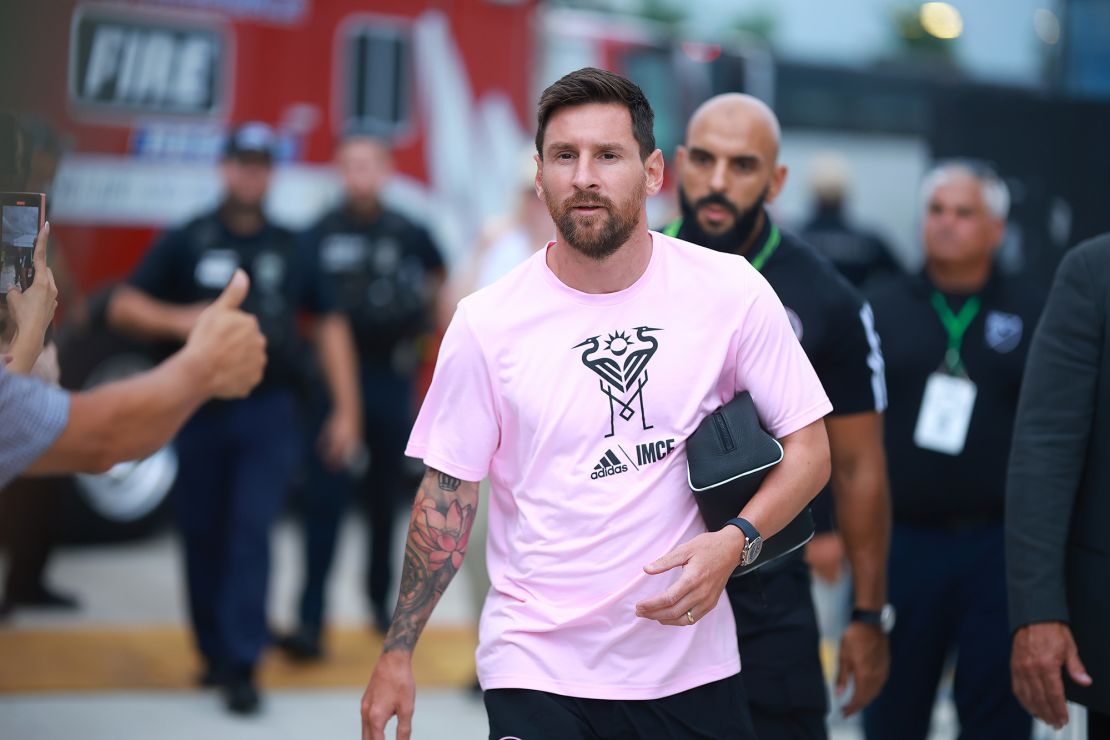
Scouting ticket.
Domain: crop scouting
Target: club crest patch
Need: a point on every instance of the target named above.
(1003, 331)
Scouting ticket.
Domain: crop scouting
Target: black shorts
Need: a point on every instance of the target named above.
(715, 711)
(779, 641)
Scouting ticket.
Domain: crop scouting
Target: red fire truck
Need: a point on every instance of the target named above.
(145, 91)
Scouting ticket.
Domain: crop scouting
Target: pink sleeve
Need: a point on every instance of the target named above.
(773, 367)
(458, 428)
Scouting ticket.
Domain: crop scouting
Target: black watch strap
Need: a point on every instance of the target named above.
(867, 616)
(881, 618)
(749, 530)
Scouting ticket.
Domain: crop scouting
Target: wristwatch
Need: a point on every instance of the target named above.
(883, 618)
(753, 542)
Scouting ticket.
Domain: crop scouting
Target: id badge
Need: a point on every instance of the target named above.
(945, 413)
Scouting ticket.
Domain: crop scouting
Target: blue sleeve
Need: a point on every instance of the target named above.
(34, 415)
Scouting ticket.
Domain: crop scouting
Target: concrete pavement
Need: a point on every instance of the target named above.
(122, 667)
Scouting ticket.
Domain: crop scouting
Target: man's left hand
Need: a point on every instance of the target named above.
(707, 561)
(339, 439)
(1041, 653)
(865, 659)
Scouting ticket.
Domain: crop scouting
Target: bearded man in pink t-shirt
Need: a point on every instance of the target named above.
(573, 383)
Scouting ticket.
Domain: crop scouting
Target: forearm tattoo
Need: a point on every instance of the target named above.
(442, 516)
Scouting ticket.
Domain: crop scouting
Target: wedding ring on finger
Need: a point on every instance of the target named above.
(690, 616)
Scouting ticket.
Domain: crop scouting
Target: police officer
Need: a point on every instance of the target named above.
(728, 171)
(955, 338)
(383, 272)
(236, 457)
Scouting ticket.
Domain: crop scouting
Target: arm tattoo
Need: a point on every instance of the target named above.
(439, 532)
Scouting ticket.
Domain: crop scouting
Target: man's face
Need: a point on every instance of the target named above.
(726, 170)
(246, 179)
(592, 178)
(364, 165)
(958, 227)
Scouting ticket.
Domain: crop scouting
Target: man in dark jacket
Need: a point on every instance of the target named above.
(1058, 501)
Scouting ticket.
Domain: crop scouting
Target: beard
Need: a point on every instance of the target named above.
(234, 206)
(597, 236)
(731, 239)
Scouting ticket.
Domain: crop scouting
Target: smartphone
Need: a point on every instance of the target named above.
(21, 217)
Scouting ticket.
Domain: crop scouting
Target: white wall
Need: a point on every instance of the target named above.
(885, 171)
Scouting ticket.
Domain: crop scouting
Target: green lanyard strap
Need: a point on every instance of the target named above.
(757, 262)
(768, 249)
(956, 325)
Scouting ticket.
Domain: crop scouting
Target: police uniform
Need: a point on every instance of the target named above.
(775, 617)
(954, 368)
(378, 273)
(235, 457)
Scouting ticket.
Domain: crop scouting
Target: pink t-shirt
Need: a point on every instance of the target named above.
(577, 406)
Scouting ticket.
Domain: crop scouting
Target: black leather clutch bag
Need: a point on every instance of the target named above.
(727, 458)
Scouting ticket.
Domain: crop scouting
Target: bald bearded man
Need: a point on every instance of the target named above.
(728, 173)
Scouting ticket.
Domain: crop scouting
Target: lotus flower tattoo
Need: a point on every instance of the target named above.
(443, 537)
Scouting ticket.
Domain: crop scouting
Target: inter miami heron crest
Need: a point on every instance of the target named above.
(621, 364)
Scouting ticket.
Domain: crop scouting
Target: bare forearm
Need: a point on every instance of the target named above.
(24, 351)
(442, 517)
(336, 352)
(127, 419)
(136, 313)
(860, 492)
(794, 482)
(863, 518)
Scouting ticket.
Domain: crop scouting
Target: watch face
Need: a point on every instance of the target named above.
(753, 549)
(886, 618)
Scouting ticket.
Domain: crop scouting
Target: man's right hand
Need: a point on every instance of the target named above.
(391, 692)
(227, 343)
(1041, 651)
(32, 310)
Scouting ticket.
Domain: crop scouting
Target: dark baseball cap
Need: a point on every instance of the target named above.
(252, 139)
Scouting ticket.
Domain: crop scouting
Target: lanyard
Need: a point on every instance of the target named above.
(956, 326)
(758, 261)
(768, 249)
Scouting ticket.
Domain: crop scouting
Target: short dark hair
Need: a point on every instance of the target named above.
(592, 85)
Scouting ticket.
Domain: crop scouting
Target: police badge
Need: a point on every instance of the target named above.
(1003, 331)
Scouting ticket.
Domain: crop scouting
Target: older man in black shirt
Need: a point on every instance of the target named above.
(955, 338)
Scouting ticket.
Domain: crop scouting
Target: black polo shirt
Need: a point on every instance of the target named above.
(930, 488)
(831, 320)
(193, 263)
(378, 273)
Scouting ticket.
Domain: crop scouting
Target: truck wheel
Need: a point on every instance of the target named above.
(130, 500)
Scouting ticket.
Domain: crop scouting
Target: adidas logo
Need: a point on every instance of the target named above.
(609, 464)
